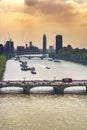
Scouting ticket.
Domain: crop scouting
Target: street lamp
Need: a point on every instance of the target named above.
(24, 79)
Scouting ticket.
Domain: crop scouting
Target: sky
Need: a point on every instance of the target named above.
(29, 20)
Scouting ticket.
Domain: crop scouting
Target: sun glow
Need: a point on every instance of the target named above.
(14, 1)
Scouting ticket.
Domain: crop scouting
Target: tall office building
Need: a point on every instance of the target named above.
(44, 44)
(9, 47)
(58, 43)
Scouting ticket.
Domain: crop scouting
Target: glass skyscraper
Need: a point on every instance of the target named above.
(58, 43)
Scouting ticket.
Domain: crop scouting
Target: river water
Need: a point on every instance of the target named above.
(41, 111)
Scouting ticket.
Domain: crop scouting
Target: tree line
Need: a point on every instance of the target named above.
(74, 55)
(2, 65)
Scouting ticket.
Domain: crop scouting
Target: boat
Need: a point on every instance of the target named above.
(47, 67)
(50, 59)
(32, 68)
(24, 68)
(17, 58)
(33, 72)
(56, 60)
(20, 61)
(24, 65)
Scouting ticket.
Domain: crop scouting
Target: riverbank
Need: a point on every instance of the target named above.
(2, 65)
(72, 55)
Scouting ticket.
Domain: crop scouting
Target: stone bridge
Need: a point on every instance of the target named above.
(58, 85)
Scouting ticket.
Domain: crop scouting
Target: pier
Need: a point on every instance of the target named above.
(58, 85)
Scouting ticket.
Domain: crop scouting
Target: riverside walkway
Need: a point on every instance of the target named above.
(58, 85)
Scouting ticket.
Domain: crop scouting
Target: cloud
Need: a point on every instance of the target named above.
(60, 11)
(31, 2)
(51, 7)
(65, 11)
(56, 6)
(80, 1)
(48, 7)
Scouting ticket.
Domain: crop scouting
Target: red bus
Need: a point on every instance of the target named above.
(67, 80)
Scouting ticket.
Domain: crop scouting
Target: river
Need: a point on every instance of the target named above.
(41, 111)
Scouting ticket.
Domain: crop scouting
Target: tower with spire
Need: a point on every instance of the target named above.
(44, 44)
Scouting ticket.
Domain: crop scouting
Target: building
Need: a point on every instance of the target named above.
(33, 49)
(51, 49)
(58, 43)
(20, 50)
(26, 46)
(9, 48)
(1, 49)
(30, 44)
(44, 44)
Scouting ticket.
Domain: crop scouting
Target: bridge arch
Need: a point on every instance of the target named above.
(74, 88)
(41, 89)
(71, 85)
(11, 90)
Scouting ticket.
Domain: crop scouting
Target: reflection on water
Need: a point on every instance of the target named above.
(43, 112)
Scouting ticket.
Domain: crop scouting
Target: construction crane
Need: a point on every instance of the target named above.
(9, 37)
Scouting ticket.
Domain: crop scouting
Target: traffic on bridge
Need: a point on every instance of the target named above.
(58, 85)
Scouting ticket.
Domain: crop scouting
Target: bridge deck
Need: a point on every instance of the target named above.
(36, 83)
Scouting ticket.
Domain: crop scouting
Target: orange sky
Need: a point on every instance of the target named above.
(28, 20)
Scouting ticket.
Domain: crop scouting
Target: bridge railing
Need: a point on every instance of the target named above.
(42, 82)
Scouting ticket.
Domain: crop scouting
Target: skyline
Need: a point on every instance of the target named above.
(27, 20)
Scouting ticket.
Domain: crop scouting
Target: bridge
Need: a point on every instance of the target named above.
(58, 85)
(36, 56)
